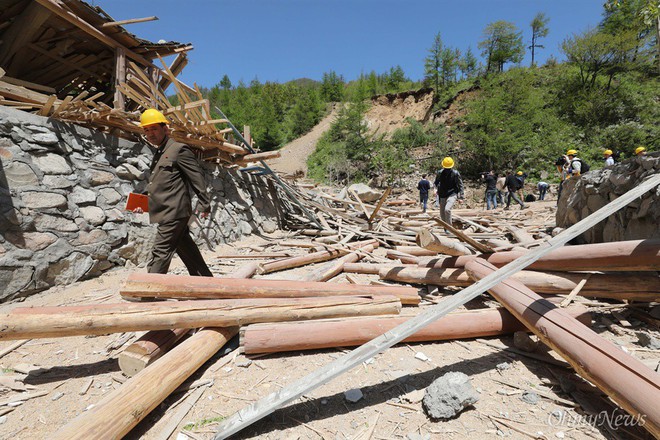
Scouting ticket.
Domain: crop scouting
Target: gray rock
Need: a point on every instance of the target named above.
(648, 341)
(449, 395)
(98, 177)
(93, 215)
(52, 164)
(129, 172)
(33, 241)
(80, 195)
(365, 193)
(14, 280)
(43, 200)
(354, 395)
(70, 269)
(269, 226)
(54, 223)
(45, 138)
(524, 342)
(59, 182)
(530, 397)
(20, 174)
(110, 195)
(503, 366)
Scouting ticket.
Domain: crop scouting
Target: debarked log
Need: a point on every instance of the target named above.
(633, 255)
(310, 335)
(46, 322)
(438, 243)
(139, 285)
(625, 379)
(117, 413)
(621, 285)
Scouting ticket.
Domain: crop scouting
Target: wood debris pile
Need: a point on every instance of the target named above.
(368, 263)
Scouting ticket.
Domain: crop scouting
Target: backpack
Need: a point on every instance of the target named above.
(584, 167)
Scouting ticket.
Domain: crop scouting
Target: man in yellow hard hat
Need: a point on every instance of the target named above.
(640, 151)
(514, 184)
(174, 171)
(449, 186)
(609, 160)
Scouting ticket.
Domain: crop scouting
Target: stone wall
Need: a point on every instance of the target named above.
(63, 190)
(593, 190)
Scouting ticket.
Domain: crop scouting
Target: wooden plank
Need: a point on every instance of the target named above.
(129, 21)
(380, 203)
(28, 84)
(120, 77)
(270, 403)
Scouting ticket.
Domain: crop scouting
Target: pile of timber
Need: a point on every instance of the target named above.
(346, 285)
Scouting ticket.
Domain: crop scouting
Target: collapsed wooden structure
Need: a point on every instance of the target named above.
(318, 301)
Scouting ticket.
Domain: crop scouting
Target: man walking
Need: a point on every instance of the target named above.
(449, 186)
(513, 185)
(491, 189)
(174, 171)
(424, 186)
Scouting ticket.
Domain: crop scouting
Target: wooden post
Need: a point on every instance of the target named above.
(621, 286)
(99, 319)
(625, 379)
(331, 269)
(348, 332)
(117, 413)
(633, 255)
(152, 345)
(120, 77)
(150, 285)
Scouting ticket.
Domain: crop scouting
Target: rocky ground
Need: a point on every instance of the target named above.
(518, 396)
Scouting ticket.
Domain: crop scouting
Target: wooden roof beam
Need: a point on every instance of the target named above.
(59, 8)
(24, 28)
(129, 21)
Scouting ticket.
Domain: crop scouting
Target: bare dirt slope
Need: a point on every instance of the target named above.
(294, 156)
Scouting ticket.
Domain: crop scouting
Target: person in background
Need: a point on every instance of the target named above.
(543, 189)
(514, 184)
(609, 160)
(574, 164)
(449, 186)
(174, 171)
(491, 189)
(640, 151)
(424, 186)
(501, 189)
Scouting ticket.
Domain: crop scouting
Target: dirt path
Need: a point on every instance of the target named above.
(295, 154)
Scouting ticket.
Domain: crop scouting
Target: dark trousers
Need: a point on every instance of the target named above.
(174, 236)
(513, 195)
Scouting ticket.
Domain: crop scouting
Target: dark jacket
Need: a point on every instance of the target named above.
(424, 186)
(491, 182)
(449, 183)
(174, 171)
(514, 183)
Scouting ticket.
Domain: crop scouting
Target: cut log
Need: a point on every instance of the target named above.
(116, 414)
(140, 285)
(333, 268)
(370, 268)
(623, 378)
(440, 244)
(620, 285)
(349, 332)
(416, 251)
(314, 257)
(137, 356)
(99, 319)
(401, 256)
(634, 255)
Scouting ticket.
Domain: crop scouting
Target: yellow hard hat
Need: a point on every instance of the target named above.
(519, 173)
(607, 152)
(639, 150)
(152, 116)
(571, 152)
(447, 162)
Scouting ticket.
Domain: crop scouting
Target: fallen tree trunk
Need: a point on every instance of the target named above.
(117, 413)
(140, 285)
(371, 268)
(416, 251)
(440, 244)
(310, 335)
(401, 256)
(99, 319)
(314, 257)
(623, 378)
(633, 255)
(622, 285)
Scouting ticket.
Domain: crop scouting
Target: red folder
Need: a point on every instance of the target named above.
(137, 201)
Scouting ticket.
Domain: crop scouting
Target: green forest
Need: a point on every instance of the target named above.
(604, 95)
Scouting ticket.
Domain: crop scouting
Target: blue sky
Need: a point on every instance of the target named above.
(281, 40)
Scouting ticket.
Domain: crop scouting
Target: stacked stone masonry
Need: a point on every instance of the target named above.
(593, 190)
(63, 191)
